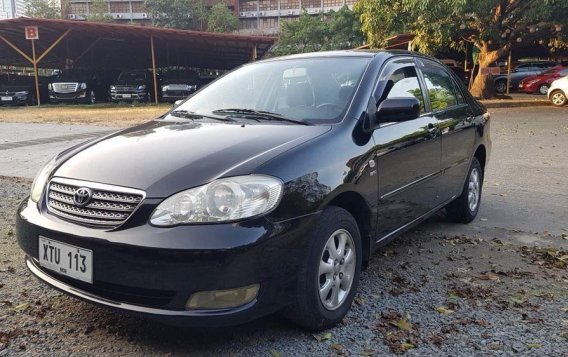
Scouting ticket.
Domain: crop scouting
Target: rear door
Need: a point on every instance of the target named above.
(454, 119)
(408, 153)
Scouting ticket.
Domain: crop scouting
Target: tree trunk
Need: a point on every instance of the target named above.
(483, 86)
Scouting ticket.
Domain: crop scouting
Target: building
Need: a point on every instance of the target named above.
(264, 17)
(257, 17)
(10, 9)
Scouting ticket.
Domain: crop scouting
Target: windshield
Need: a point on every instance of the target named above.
(132, 76)
(315, 90)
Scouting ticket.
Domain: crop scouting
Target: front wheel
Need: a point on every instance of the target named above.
(558, 98)
(501, 86)
(92, 98)
(464, 208)
(328, 279)
(543, 89)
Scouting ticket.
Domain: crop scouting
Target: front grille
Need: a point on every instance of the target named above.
(65, 87)
(126, 89)
(109, 206)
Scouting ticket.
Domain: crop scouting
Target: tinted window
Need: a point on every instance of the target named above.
(311, 89)
(564, 72)
(440, 88)
(403, 83)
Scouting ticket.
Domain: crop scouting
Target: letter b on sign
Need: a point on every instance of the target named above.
(32, 33)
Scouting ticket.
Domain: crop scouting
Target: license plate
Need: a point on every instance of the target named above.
(66, 259)
(126, 96)
(6, 99)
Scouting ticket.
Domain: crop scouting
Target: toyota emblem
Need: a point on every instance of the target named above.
(82, 196)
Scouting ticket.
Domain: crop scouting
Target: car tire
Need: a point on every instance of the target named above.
(501, 86)
(558, 98)
(464, 209)
(309, 310)
(543, 89)
(92, 98)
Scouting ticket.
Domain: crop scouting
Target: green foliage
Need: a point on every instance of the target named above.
(221, 19)
(450, 23)
(44, 9)
(170, 13)
(99, 11)
(332, 31)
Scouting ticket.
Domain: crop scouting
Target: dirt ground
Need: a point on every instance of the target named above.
(114, 115)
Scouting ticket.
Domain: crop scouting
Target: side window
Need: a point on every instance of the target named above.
(403, 83)
(440, 88)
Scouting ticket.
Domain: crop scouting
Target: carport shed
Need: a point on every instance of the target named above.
(94, 45)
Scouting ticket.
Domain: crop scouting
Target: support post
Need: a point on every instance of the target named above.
(35, 73)
(254, 53)
(154, 70)
(509, 72)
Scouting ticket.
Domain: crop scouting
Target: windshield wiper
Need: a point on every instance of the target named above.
(186, 114)
(259, 114)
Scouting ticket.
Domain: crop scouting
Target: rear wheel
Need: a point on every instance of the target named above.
(328, 279)
(92, 98)
(464, 208)
(558, 98)
(501, 86)
(543, 89)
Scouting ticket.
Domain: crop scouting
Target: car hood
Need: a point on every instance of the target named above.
(163, 157)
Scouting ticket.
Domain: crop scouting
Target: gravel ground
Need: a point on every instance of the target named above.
(489, 288)
(425, 294)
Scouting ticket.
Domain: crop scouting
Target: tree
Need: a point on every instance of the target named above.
(494, 27)
(221, 19)
(44, 9)
(99, 11)
(334, 30)
(170, 13)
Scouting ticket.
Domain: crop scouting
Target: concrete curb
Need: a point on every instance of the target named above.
(492, 104)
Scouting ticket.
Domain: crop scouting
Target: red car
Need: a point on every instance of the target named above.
(541, 83)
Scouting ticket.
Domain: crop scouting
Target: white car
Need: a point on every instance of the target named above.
(558, 92)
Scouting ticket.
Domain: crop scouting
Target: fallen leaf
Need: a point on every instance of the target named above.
(489, 276)
(517, 301)
(403, 324)
(367, 352)
(534, 345)
(275, 353)
(407, 346)
(444, 311)
(337, 347)
(21, 307)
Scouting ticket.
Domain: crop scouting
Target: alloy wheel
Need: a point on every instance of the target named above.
(336, 269)
(543, 89)
(92, 98)
(558, 98)
(501, 87)
(473, 191)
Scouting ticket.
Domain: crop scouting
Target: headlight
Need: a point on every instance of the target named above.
(223, 200)
(113, 88)
(23, 93)
(83, 86)
(530, 83)
(40, 180)
(50, 86)
(192, 87)
(165, 88)
(142, 87)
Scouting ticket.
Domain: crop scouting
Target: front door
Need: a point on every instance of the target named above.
(408, 153)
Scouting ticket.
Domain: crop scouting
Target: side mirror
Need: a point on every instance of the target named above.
(397, 110)
(177, 103)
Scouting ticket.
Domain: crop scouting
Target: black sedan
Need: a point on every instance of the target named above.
(267, 190)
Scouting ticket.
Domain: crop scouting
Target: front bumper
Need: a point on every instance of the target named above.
(80, 96)
(172, 96)
(153, 271)
(11, 99)
(118, 96)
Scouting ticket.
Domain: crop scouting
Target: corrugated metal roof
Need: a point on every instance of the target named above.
(119, 46)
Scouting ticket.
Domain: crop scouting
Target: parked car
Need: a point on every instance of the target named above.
(521, 71)
(541, 83)
(269, 189)
(80, 86)
(21, 90)
(134, 86)
(558, 91)
(179, 84)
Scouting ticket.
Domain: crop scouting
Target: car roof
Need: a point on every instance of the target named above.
(361, 53)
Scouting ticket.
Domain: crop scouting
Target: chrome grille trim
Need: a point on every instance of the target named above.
(65, 87)
(110, 205)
